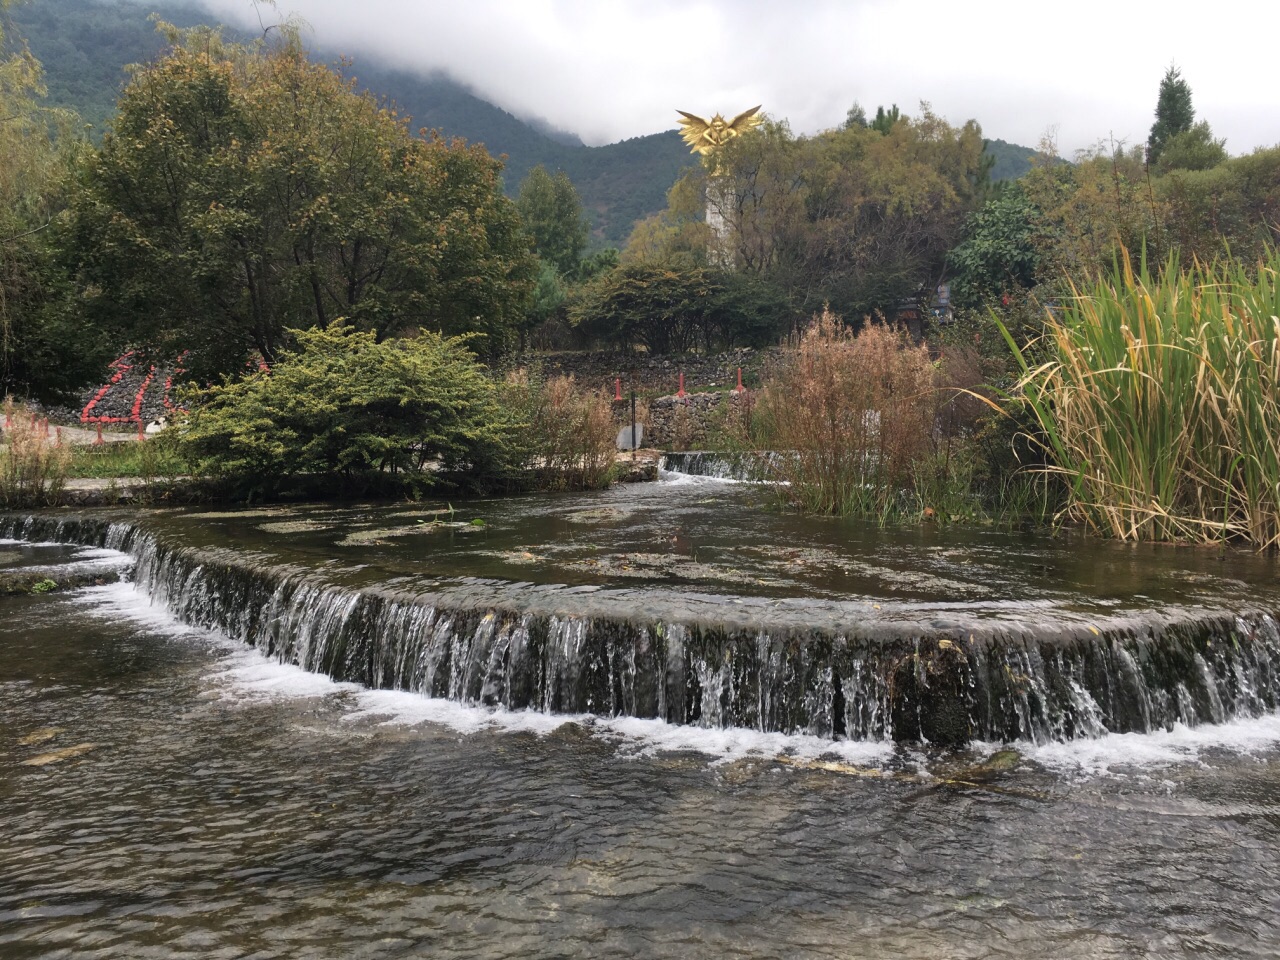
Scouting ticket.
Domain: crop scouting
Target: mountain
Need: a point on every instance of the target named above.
(619, 183)
(86, 44)
(1012, 160)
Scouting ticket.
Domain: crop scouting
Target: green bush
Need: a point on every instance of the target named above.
(349, 415)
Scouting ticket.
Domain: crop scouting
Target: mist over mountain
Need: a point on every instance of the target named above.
(85, 46)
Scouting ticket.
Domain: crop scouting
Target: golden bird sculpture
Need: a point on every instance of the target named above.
(707, 136)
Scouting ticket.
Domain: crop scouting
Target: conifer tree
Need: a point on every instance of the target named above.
(1174, 113)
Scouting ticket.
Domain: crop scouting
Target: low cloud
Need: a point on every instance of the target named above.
(608, 71)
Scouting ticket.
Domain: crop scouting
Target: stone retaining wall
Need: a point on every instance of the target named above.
(648, 375)
(691, 422)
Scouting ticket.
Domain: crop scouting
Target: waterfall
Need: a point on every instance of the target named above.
(744, 467)
(937, 685)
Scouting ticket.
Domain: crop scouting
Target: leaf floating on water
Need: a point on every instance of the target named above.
(41, 735)
(66, 753)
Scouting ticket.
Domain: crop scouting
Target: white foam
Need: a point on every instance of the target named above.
(634, 736)
(1127, 753)
(245, 673)
(646, 737)
(400, 708)
(248, 675)
(676, 478)
(123, 602)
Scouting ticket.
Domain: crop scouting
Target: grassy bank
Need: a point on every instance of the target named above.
(150, 459)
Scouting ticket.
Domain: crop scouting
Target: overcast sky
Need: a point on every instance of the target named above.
(605, 70)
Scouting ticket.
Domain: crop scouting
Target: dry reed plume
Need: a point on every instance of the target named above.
(854, 413)
(33, 470)
(571, 433)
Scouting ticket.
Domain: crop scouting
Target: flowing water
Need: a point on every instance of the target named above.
(170, 790)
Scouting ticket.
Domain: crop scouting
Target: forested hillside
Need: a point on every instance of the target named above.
(85, 45)
(1011, 160)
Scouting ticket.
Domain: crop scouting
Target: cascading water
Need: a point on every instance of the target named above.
(752, 467)
(565, 650)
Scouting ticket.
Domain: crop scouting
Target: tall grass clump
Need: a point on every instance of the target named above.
(1159, 402)
(852, 417)
(569, 437)
(33, 470)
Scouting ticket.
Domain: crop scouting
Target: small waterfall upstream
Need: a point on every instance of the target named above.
(941, 685)
(750, 467)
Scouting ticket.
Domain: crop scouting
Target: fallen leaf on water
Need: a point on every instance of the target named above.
(40, 736)
(66, 753)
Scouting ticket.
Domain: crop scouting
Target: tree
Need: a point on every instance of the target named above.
(39, 354)
(1000, 249)
(552, 214)
(1089, 209)
(855, 217)
(885, 119)
(1231, 205)
(246, 192)
(674, 308)
(856, 117)
(1174, 113)
(1193, 149)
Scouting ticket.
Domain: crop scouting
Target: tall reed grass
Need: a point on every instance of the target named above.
(570, 437)
(33, 469)
(1159, 402)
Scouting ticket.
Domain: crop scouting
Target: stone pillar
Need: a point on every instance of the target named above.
(719, 252)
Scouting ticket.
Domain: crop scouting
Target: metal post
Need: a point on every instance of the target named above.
(634, 444)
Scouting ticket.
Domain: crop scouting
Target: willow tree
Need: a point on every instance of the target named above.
(245, 191)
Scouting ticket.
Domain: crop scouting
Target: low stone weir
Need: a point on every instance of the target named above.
(854, 671)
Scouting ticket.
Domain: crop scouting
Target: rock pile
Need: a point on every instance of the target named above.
(136, 392)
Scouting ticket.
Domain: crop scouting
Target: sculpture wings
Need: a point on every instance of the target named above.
(705, 136)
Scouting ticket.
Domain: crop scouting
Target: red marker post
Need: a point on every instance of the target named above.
(617, 389)
(680, 393)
